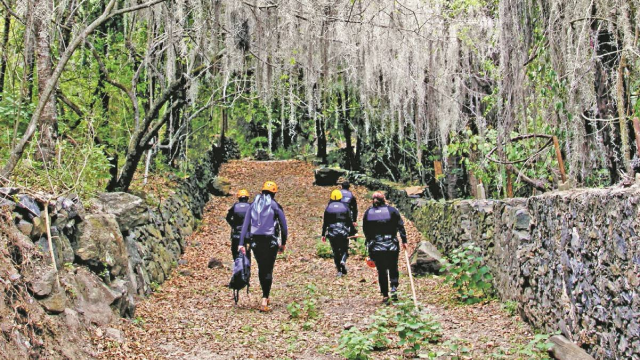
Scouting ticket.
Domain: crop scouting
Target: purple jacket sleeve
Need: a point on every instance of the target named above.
(283, 224)
(245, 229)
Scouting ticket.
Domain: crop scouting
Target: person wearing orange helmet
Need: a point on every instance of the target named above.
(337, 226)
(235, 219)
(381, 224)
(264, 221)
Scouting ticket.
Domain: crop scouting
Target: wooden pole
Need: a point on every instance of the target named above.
(509, 183)
(48, 226)
(559, 156)
(413, 287)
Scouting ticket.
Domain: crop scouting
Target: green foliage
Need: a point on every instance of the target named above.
(510, 307)
(414, 327)
(308, 308)
(323, 250)
(354, 345)
(466, 272)
(78, 168)
(538, 348)
(359, 247)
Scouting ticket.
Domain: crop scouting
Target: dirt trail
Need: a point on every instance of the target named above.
(192, 315)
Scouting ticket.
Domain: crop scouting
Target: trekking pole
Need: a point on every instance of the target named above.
(413, 288)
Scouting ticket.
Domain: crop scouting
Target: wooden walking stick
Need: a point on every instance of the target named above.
(413, 287)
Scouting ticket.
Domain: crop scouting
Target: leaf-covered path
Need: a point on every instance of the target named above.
(192, 315)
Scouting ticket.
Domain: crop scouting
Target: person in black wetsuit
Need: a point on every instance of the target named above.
(235, 218)
(259, 230)
(350, 200)
(381, 224)
(337, 226)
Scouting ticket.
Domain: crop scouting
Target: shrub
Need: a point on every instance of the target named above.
(323, 250)
(467, 274)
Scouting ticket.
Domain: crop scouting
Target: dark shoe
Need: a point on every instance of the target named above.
(385, 300)
(394, 294)
(344, 268)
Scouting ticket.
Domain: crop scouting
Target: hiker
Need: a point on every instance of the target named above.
(350, 200)
(381, 224)
(337, 225)
(235, 218)
(259, 230)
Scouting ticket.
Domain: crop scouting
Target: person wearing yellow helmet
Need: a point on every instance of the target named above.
(264, 221)
(381, 224)
(337, 226)
(235, 219)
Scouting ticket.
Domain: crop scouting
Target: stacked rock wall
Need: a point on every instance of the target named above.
(119, 247)
(571, 259)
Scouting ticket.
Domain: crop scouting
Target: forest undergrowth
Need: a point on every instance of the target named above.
(192, 315)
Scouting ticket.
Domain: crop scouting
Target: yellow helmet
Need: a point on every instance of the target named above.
(336, 195)
(270, 186)
(243, 193)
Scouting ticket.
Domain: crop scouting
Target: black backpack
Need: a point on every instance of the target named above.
(241, 275)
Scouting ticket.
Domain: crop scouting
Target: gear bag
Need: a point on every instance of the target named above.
(262, 216)
(241, 275)
(381, 242)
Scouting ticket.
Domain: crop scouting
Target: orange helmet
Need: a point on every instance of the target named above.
(270, 186)
(243, 193)
(370, 263)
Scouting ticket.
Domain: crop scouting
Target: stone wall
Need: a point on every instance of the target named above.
(117, 247)
(571, 259)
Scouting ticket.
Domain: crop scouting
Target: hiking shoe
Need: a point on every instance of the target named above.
(394, 294)
(339, 274)
(385, 300)
(344, 268)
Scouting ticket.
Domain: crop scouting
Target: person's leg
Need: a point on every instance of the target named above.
(344, 254)
(265, 255)
(337, 256)
(381, 259)
(394, 274)
(235, 240)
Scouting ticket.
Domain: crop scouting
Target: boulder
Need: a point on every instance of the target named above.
(62, 250)
(100, 244)
(261, 155)
(220, 186)
(56, 303)
(130, 211)
(415, 191)
(426, 259)
(25, 227)
(328, 176)
(43, 284)
(92, 298)
(28, 207)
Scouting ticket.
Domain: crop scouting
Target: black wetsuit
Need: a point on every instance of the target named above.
(338, 226)
(265, 246)
(235, 218)
(381, 225)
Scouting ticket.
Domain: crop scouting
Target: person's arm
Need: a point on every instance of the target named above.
(283, 224)
(229, 217)
(354, 208)
(245, 229)
(325, 223)
(365, 226)
(351, 224)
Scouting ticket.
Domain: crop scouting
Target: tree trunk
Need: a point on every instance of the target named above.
(346, 129)
(47, 125)
(5, 42)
